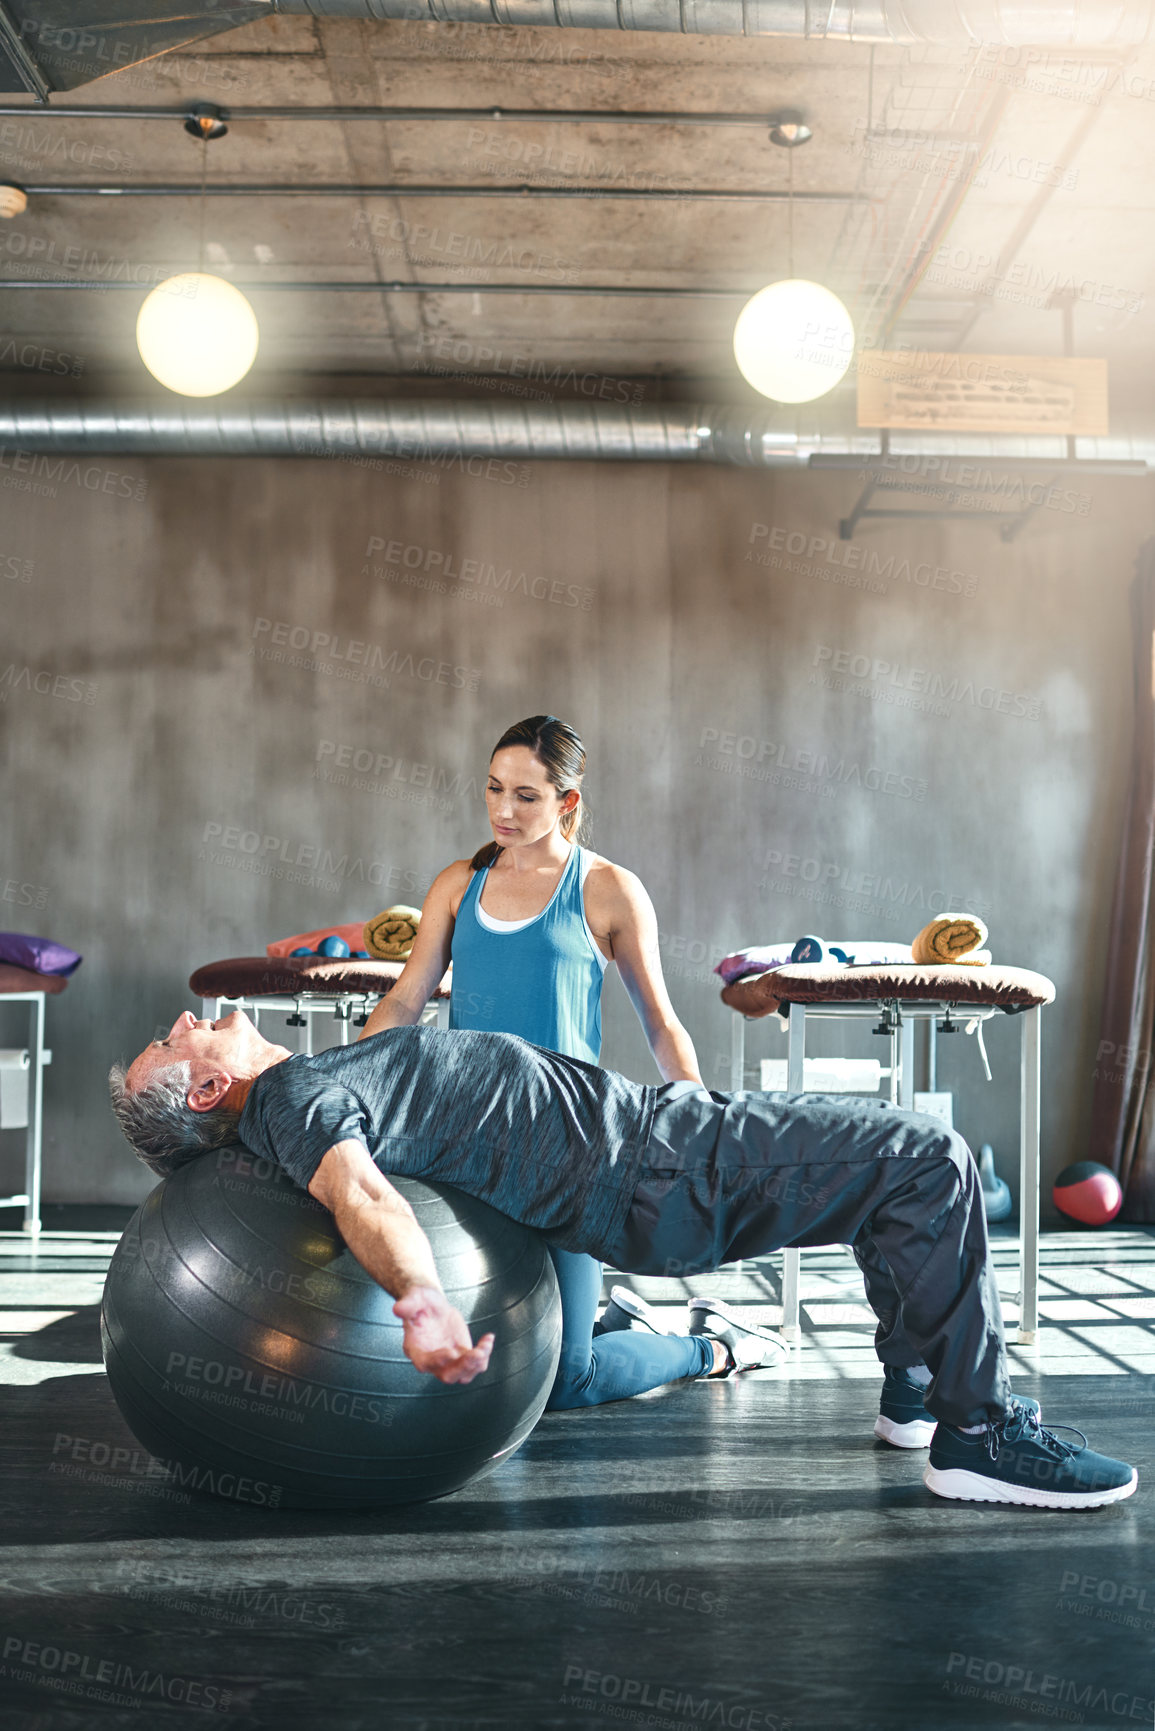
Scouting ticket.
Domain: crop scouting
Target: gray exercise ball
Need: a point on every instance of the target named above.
(250, 1351)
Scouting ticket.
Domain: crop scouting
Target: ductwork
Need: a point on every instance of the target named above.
(415, 430)
(948, 23)
(48, 45)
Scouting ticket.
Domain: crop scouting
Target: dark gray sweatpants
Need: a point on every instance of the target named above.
(736, 1175)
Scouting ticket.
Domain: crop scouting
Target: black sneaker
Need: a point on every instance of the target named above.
(1017, 1461)
(626, 1310)
(903, 1420)
(749, 1347)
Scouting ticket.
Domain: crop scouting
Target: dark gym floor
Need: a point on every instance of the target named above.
(737, 1555)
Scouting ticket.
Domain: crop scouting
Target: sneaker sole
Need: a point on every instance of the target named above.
(960, 1486)
(638, 1310)
(916, 1434)
(701, 1313)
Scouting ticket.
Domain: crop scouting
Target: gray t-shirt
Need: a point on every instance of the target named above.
(549, 1140)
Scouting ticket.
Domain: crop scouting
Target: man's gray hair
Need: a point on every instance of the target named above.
(160, 1126)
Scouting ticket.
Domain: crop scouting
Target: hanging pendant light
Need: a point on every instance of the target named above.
(196, 332)
(794, 340)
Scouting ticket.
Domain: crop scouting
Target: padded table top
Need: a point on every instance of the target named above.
(906, 982)
(289, 976)
(14, 979)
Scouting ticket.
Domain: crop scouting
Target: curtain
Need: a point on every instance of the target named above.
(1123, 1108)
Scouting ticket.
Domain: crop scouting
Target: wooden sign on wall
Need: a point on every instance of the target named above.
(964, 393)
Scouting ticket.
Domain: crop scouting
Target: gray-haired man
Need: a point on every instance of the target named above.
(649, 1180)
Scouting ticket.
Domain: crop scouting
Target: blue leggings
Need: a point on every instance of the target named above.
(616, 1365)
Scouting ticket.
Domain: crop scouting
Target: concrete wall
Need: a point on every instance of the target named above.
(177, 796)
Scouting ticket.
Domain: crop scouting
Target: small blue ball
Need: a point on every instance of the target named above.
(305, 952)
(361, 955)
(333, 946)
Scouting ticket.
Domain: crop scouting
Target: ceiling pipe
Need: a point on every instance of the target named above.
(422, 430)
(150, 274)
(382, 112)
(402, 189)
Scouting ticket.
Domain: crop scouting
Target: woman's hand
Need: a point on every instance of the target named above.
(437, 1339)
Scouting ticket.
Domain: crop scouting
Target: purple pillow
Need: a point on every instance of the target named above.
(758, 959)
(41, 955)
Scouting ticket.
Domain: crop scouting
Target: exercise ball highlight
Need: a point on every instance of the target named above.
(1088, 1192)
(249, 1350)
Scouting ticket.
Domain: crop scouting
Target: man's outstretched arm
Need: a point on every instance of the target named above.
(382, 1231)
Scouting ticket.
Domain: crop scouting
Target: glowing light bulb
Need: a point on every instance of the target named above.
(197, 334)
(794, 341)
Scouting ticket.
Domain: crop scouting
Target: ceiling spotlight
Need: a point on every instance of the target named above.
(789, 129)
(204, 121)
(197, 334)
(13, 201)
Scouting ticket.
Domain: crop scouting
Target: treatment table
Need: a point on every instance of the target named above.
(901, 994)
(304, 987)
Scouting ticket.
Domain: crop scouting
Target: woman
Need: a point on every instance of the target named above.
(531, 923)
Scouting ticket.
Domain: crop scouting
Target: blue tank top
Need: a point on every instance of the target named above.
(542, 980)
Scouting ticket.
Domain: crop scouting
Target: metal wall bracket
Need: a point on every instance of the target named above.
(1009, 523)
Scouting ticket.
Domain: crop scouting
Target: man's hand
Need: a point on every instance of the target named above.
(381, 1230)
(437, 1339)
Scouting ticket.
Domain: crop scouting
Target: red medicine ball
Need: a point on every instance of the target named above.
(1088, 1192)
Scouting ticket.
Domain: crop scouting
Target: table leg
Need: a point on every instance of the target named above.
(33, 1147)
(906, 1063)
(737, 1053)
(795, 1084)
(1031, 1089)
(796, 1050)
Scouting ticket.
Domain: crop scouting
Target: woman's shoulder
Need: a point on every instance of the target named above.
(457, 872)
(450, 885)
(609, 885)
(596, 864)
(453, 880)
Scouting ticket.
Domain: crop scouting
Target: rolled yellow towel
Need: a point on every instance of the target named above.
(953, 938)
(390, 936)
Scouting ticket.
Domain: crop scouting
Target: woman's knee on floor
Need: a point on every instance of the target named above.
(576, 1370)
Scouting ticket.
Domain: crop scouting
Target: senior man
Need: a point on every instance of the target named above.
(649, 1180)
